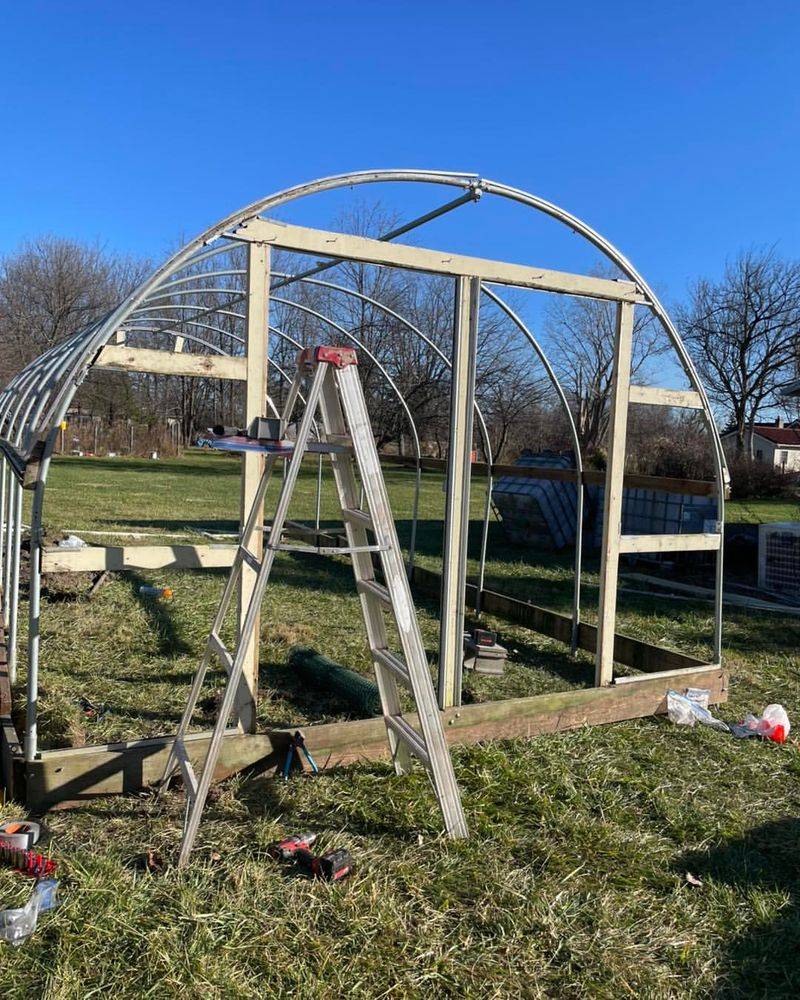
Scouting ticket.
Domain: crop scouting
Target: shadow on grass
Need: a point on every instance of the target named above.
(162, 623)
(764, 960)
(177, 524)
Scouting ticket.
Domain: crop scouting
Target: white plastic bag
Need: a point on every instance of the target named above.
(72, 542)
(691, 708)
(18, 924)
(773, 724)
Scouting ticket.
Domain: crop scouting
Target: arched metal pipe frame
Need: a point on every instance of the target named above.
(48, 385)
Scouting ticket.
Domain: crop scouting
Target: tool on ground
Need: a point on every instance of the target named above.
(18, 924)
(297, 745)
(166, 592)
(27, 862)
(335, 390)
(286, 849)
(92, 711)
(483, 653)
(21, 834)
(332, 866)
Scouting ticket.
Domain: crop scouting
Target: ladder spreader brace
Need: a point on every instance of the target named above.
(335, 390)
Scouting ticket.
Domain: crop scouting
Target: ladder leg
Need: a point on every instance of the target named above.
(441, 765)
(234, 677)
(219, 618)
(344, 477)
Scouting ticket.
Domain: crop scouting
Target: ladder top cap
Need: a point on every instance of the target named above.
(340, 357)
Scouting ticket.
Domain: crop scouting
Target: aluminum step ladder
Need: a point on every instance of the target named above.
(335, 390)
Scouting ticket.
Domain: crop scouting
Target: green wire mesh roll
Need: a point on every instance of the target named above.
(325, 675)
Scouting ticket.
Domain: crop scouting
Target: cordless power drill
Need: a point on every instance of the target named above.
(332, 866)
(286, 850)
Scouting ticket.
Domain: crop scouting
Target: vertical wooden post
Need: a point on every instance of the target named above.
(456, 521)
(612, 510)
(256, 336)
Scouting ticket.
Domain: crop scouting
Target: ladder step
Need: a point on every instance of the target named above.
(330, 447)
(189, 777)
(328, 550)
(218, 646)
(252, 560)
(358, 518)
(373, 589)
(393, 663)
(409, 736)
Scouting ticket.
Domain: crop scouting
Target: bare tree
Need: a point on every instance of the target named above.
(510, 398)
(581, 334)
(742, 334)
(51, 288)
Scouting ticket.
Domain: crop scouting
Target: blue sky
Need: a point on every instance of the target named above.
(673, 129)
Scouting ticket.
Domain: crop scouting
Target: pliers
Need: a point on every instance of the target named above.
(297, 744)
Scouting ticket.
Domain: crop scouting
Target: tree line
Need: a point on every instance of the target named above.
(742, 331)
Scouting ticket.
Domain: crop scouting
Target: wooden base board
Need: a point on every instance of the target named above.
(70, 776)
(10, 749)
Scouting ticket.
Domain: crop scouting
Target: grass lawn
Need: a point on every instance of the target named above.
(762, 511)
(573, 882)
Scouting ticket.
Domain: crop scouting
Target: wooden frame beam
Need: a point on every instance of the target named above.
(612, 509)
(257, 341)
(670, 543)
(368, 251)
(653, 395)
(144, 359)
(462, 407)
(116, 558)
(70, 776)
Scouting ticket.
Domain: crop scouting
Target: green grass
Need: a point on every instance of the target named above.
(762, 511)
(573, 882)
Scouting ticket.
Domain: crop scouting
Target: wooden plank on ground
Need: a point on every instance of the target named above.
(119, 768)
(66, 776)
(11, 754)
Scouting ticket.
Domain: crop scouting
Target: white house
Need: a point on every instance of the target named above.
(772, 443)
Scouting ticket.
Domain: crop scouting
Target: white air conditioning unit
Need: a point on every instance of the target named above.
(779, 557)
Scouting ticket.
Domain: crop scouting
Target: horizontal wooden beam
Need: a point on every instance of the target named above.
(96, 558)
(655, 396)
(669, 543)
(70, 776)
(591, 477)
(142, 359)
(347, 247)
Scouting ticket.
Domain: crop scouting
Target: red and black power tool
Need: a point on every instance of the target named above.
(331, 867)
(286, 850)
